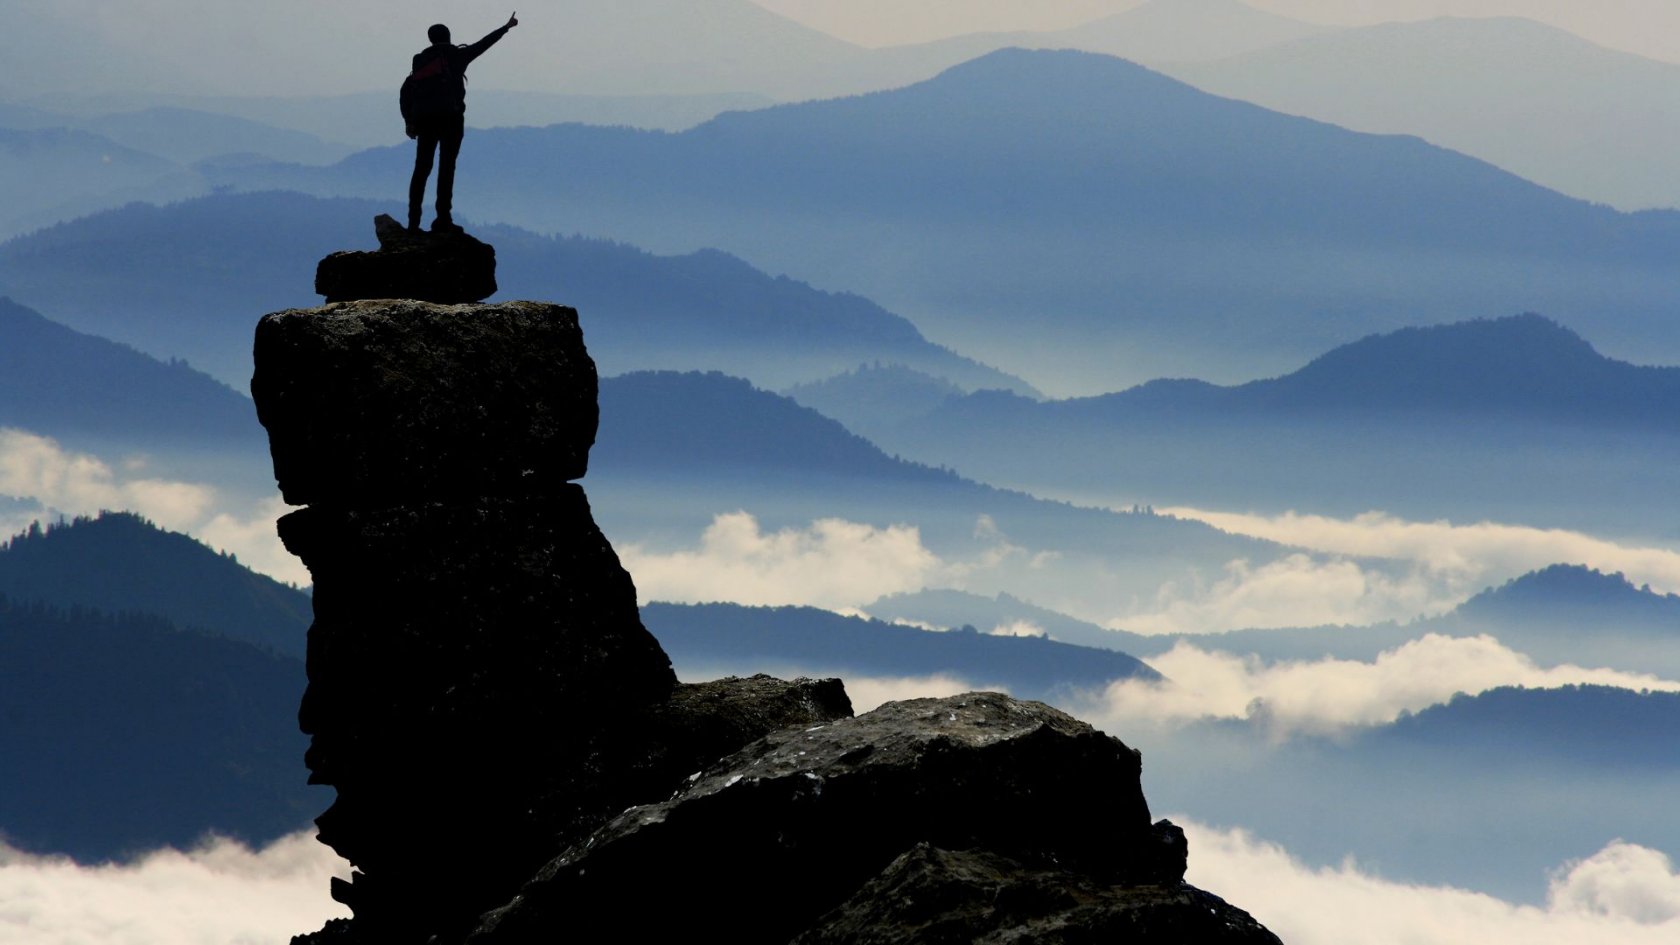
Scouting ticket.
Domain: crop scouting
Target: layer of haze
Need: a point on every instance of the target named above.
(1647, 27)
(1371, 569)
(1288, 698)
(1331, 696)
(895, 22)
(110, 48)
(1469, 555)
(323, 47)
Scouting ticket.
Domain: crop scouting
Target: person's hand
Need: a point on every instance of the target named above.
(410, 131)
(513, 20)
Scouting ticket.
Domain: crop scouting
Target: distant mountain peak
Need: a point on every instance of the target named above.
(1529, 340)
(1005, 73)
(1569, 584)
(1520, 363)
(1583, 603)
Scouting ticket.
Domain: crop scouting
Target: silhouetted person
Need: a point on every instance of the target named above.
(434, 104)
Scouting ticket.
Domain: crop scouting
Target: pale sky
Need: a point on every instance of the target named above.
(1648, 27)
(313, 47)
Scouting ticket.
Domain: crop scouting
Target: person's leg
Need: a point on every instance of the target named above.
(449, 146)
(423, 148)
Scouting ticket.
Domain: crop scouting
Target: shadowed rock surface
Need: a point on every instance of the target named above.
(445, 267)
(485, 700)
(931, 896)
(380, 402)
(790, 826)
(476, 643)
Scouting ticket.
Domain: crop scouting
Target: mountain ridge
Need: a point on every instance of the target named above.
(813, 641)
(118, 562)
(73, 386)
(1131, 213)
(168, 280)
(1512, 366)
(1495, 420)
(139, 735)
(1559, 96)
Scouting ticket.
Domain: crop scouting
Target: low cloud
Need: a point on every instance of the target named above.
(61, 483)
(1333, 695)
(869, 692)
(1624, 894)
(1019, 628)
(219, 894)
(1373, 568)
(38, 468)
(1470, 556)
(1623, 880)
(251, 537)
(1294, 591)
(833, 564)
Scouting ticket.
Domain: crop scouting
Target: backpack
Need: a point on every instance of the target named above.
(434, 88)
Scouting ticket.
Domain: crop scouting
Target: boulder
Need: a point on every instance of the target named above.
(384, 402)
(757, 847)
(448, 267)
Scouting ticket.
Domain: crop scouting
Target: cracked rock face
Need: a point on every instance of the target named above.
(766, 841)
(376, 403)
(476, 641)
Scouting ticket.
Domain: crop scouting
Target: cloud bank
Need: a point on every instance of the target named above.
(62, 483)
(1355, 572)
(1298, 590)
(1625, 894)
(834, 564)
(1482, 553)
(36, 467)
(869, 692)
(1333, 695)
(219, 894)
(1374, 568)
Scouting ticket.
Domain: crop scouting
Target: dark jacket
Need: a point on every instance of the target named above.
(447, 65)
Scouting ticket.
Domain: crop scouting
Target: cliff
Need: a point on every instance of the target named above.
(513, 757)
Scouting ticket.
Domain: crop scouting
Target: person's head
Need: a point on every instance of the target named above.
(438, 34)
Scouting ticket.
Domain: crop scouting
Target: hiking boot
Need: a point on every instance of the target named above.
(444, 224)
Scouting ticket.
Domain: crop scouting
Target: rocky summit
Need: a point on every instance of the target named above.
(445, 266)
(513, 757)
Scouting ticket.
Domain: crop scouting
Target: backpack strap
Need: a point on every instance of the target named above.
(435, 66)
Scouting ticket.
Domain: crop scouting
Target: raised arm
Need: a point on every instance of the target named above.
(477, 49)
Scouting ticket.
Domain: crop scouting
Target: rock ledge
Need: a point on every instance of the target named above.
(448, 267)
